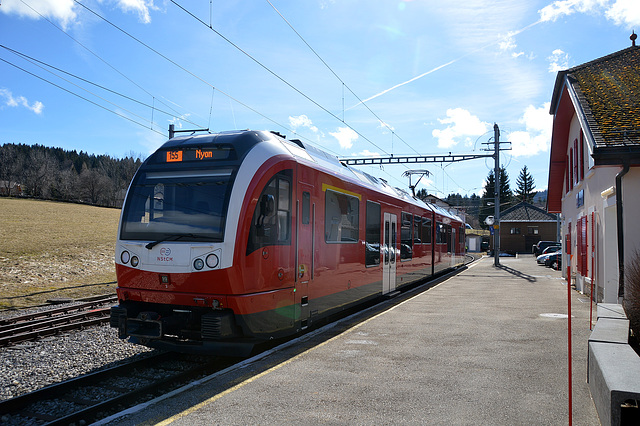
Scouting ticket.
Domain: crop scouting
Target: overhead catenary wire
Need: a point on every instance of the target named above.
(79, 96)
(94, 94)
(273, 73)
(186, 70)
(344, 85)
(181, 67)
(35, 62)
(178, 114)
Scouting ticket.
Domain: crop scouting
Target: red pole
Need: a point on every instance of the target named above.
(593, 266)
(569, 350)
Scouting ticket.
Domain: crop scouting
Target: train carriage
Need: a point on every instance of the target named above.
(230, 239)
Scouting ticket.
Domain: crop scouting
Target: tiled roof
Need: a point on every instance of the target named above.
(525, 212)
(609, 92)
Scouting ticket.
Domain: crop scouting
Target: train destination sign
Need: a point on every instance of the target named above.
(180, 155)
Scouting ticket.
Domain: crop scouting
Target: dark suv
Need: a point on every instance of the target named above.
(538, 248)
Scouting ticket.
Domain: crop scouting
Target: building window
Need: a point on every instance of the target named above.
(581, 155)
(576, 162)
(532, 230)
(566, 175)
(515, 231)
(572, 176)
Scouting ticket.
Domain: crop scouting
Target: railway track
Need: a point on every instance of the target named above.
(93, 396)
(50, 322)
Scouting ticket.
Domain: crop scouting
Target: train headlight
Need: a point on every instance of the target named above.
(135, 261)
(198, 264)
(212, 261)
(125, 256)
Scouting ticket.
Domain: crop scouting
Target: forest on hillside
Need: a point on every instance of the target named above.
(56, 174)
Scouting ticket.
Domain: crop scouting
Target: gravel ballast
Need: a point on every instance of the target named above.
(33, 365)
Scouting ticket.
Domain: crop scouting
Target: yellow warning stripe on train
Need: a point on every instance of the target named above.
(340, 190)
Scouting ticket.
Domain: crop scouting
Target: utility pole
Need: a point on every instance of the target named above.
(496, 214)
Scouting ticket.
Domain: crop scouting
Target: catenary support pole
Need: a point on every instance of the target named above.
(496, 214)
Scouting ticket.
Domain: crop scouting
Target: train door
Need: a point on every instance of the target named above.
(389, 244)
(305, 242)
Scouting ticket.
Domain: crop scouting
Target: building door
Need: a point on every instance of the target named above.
(390, 252)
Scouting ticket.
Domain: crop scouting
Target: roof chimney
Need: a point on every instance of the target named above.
(633, 38)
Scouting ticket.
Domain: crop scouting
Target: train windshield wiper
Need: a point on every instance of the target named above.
(173, 237)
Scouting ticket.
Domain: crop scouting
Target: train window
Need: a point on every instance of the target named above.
(189, 205)
(306, 208)
(271, 222)
(372, 234)
(284, 209)
(341, 220)
(417, 229)
(406, 238)
(425, 234)
(440, 233)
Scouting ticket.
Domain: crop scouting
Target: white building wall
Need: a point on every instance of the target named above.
(600, 200)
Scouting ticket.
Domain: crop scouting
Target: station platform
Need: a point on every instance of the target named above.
(487, 345)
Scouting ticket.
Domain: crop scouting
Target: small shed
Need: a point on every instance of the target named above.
(523, 225)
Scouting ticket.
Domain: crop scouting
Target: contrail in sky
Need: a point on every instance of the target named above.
(511, 34)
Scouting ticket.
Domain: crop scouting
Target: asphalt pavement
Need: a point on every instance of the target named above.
(485, 346)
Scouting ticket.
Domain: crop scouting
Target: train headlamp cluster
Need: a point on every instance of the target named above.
(212, 261)
(126, 257)
(198, 264)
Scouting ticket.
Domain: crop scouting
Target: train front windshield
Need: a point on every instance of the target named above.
(181, 205)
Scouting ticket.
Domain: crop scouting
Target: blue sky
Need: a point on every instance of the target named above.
(434, 76)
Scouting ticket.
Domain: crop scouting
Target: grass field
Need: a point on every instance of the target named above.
(54, 250)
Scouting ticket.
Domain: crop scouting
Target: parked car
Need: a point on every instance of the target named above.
(552, 249)
(543, 257)
(554, 261)
(541, 245)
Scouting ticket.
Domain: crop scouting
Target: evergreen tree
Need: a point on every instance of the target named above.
(487, 208)
(526, 185)
(422, 194)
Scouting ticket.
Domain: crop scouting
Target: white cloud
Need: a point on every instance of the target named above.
(367, 153)
(302, 121)
(140, 6)
(625, 13)
(20, 101)
(558, 61)
(561, 8)
(463, 125)
(622, 12)
(386, 127)
(59, 10)
(63, 10)
(508, 42)
(345, 137)
(537, 137)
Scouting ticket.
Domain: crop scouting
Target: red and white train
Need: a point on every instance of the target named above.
(230, 239)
